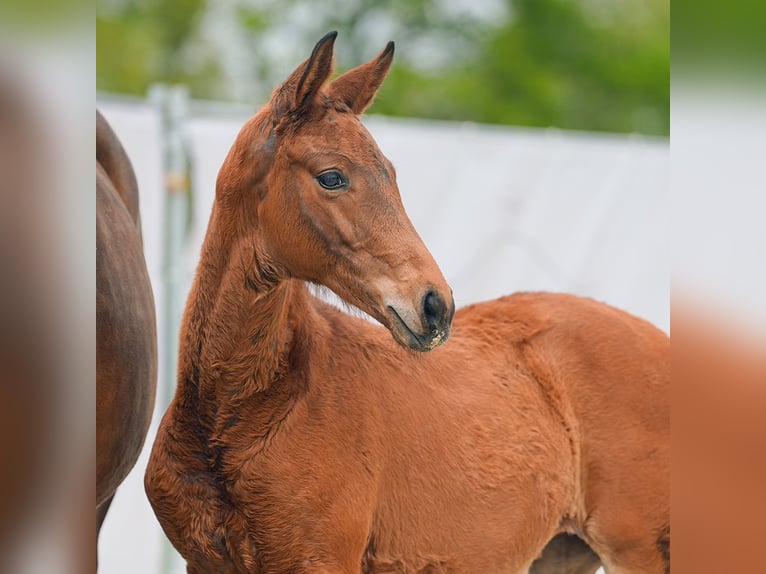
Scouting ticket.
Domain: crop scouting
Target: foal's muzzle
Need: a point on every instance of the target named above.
(427, 329)
(437, 316)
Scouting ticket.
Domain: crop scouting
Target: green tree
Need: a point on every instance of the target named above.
(595, 65)
(145, 41)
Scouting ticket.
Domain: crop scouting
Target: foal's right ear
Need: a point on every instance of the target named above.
(300, 89)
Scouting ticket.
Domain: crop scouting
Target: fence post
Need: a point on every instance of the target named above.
(173, 105)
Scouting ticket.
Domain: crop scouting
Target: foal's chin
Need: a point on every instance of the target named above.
(402, 320)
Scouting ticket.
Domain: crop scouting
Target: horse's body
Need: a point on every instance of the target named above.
(126, 341)
(304, 440)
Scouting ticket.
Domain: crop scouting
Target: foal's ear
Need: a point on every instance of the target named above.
(357, 87)
(300, 89)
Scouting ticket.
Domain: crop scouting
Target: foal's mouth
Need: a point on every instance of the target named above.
(421, 343)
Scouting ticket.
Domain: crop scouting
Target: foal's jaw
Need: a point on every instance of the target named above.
(418, 312)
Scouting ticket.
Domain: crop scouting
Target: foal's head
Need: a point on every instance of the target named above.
(322, 200)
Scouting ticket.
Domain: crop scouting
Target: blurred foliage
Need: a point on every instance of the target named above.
(141, 42)
(591, 64)
(21, 17)
(711, 37)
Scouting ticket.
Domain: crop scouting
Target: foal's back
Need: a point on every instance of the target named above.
(530, 421)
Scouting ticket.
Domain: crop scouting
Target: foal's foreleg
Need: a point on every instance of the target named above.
(643, 561)
(644, 555)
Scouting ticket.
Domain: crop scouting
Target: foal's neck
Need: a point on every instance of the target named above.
(240, 320)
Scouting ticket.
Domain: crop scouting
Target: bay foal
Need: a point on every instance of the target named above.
(304, 440)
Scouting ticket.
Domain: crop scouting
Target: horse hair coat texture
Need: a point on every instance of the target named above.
(303, 440)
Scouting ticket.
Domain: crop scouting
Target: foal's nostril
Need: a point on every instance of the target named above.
(434, 310)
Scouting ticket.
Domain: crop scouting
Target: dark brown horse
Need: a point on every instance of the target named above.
(303, 440)
(126, 339)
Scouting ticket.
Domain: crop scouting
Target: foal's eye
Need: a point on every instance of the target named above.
(332, 180)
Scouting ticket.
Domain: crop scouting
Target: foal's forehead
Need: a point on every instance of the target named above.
(338, 133)
(343, 127)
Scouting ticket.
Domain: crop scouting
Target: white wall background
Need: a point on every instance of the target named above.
(501, 210)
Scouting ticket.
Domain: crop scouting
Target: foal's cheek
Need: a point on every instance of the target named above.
(280, 234)
(350, 230)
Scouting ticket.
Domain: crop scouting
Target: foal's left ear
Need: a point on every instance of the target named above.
(357, 87)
